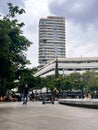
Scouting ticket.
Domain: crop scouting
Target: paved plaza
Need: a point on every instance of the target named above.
(35, 116)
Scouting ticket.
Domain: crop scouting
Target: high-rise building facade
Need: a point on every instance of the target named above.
(51, 39)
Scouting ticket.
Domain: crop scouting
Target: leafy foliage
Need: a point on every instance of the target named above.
(12, 47)
(87, 81)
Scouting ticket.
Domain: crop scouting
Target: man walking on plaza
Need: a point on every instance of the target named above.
(25, 94)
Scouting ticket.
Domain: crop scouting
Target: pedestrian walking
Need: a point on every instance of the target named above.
(56, 94)
(32, 96)
(25, 94)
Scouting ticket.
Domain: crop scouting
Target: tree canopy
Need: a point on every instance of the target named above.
(13, 45)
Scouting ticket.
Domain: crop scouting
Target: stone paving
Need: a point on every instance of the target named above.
(35, 116)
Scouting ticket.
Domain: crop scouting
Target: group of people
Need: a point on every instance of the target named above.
(34, 96)
(88, 96)
(26, 92)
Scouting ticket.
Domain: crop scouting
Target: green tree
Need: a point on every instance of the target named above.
(50, 80)
(77, 80)
(91, 80)
(67, 83)
(25, 76)
(12, 47)
(87, 78)
(40, 82)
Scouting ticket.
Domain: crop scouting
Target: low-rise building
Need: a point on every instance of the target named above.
(67, 66)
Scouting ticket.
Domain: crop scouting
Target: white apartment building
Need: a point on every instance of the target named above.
(51, 39)
(67, 66)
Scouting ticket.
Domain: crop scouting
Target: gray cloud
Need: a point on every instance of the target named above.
(77, 11)
(81, 28)
(4, 7)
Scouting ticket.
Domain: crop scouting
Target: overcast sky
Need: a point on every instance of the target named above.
(81, 24)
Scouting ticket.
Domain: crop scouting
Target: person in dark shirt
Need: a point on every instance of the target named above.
(56, 94)
(25, 94)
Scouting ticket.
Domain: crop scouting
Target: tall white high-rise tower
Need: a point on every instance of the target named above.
(51, 39)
